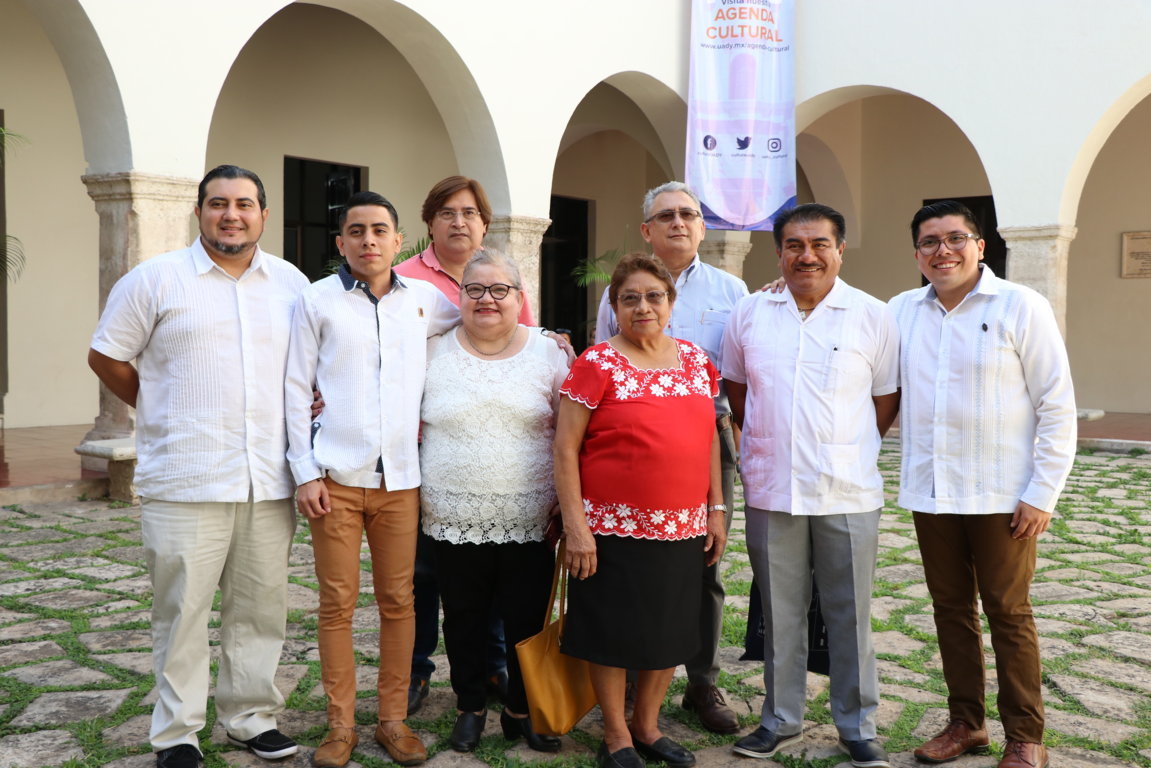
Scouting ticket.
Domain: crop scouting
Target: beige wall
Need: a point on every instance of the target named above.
(1109, 318)
(319, 84)
(52, 307)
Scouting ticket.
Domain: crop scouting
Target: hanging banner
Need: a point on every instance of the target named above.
(741, 111)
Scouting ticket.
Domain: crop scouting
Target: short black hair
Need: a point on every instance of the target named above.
(232, 172)
(808, 212)
(939, 210)
(361, 199)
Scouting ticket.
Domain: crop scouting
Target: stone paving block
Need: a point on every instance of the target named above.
(896, 541)
(1128, 569)
(1066, 574)
(1051, 591)
(17, 538)
(23, 653)
(109, 572)
(125, 554)
(914, 695)
(71, 707)
(8, 617)
(1054, 626)
(1088, 557)
(62, 673)
(924, 622)
(116, 639)
(1111, 493)
(139, 662)
(1099, 699)
(1092, 526)
(305, 598)
(1130, 644)
(1139, 623)
(896, 643)
(1129, 605)
(898, 574)
(73, 546)
(916, 592)
(890, 670)
(103, 526)
(1053, 647)
(68, 599)
(131, 733)
(29, 586)
(1084, 614)
(1135, 675)
(139, 585)
(40, 749)
(30, 629)
(1105, 731)
(1115, 588)
(1074, 757)
(883, 607)
(114, 608)
(1133, 549)
(109, 620)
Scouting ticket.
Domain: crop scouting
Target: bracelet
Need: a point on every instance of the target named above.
(717, 508)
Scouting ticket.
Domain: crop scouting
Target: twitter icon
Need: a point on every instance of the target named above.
(743, 143)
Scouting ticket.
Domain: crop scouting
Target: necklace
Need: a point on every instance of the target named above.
(472, 344)
(803, 312)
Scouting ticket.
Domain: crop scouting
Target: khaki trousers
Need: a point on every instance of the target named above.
(191, 548)
(966, 558)
(390, 519)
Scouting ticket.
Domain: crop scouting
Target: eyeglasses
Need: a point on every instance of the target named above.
(497, 290)
(955, 241)
(450, 214)
(655, 298)
(686, 215)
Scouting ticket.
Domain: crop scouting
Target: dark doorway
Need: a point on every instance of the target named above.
(995, 248)
(565, 244)
(314, 197)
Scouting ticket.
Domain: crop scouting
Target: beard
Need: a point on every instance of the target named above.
(228, 249)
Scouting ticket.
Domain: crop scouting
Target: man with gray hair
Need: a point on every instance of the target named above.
(673, 226)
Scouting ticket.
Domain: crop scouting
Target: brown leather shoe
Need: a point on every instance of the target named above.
(958, 738)
(404, 747)
(336, 749)
(1024, 754)
(709, 704)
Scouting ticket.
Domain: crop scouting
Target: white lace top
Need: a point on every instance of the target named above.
(486, 456)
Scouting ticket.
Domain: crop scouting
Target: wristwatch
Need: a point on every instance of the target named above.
(717, 508)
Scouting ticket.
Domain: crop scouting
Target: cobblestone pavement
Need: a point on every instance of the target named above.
(76, 684)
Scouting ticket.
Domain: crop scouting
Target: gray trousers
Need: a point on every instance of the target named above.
(784, 549)
(703, 668)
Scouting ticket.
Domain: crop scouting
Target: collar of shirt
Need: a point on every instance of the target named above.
(838, 296)
(988, 285)
(687, 272)
(204, 263)
(350, 283)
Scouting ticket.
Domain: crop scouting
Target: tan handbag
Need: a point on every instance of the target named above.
(558, 686)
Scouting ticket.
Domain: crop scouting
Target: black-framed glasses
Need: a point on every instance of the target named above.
(450, 214)
(497, 290)
(654, 298)
(686, 215)
(955, 241)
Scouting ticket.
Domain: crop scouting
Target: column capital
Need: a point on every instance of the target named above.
(727, 255)
(1037, 257)
(104, 187)
(520, 238)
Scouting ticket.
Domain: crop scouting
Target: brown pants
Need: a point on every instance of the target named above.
(967, 557)
(390, 519)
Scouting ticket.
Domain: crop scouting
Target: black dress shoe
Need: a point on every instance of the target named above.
(179, 756)
(467, 731)
(417, 693)
(664, 750)
(623, 758)
(515, 727)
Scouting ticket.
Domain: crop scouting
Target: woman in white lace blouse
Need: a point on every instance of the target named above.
(487, 486)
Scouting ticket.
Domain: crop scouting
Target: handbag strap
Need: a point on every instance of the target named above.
(559, 585)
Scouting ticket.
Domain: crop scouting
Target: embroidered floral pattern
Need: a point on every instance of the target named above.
(663, 524)
(691, 378)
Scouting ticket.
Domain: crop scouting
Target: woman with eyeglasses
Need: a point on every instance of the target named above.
(638, 478)
(488, 494)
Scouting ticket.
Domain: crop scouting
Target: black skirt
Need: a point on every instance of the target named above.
(641, 608)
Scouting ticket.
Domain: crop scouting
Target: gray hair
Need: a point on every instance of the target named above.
(493, 258)
(671, 186)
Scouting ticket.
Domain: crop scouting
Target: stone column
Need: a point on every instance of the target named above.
(728, 254)
(1037, 257)
(520, 238)
(141, 215)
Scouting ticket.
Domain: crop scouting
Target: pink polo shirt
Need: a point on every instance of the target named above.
(427, 267)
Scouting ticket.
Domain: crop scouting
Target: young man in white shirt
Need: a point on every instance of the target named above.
(988, 426)
(360, 337)
(812, 374)
(208, 329)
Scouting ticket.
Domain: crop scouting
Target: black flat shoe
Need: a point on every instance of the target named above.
(664, 750)
(467, 731)
(515, 727)
(622, 758)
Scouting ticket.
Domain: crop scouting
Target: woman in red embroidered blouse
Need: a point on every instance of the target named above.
(637, 466)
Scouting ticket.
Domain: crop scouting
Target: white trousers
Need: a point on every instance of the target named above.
(191, 548)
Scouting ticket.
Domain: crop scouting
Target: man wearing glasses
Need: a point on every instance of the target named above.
(360, 336)
(705, 296)
(812, 373)
(988, 430)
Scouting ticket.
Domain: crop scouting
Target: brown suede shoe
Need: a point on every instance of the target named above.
(709, 704)
(336, 749)
(958, 738)
(404, 746)
(1024, 754)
